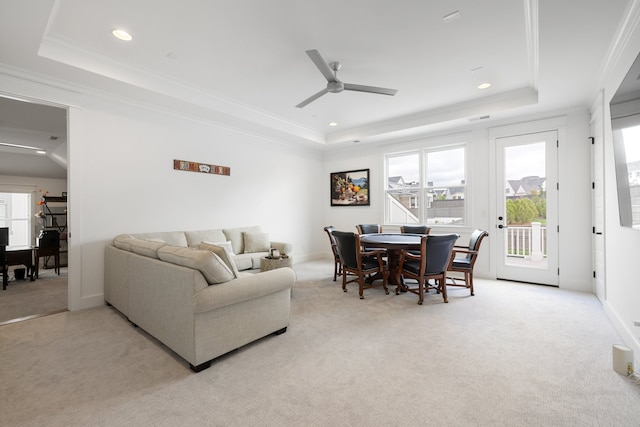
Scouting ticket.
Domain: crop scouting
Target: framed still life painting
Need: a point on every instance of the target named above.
(350, 188)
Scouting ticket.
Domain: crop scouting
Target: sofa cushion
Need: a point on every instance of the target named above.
(176, 238)
(234, 235)
(146, 247)
(245, 261)
(123, 241)
(194, 238)
(247, 287)
(224, 251)
(255, 242)
(210, 265)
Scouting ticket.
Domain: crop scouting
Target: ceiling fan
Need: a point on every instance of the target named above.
(334, 85)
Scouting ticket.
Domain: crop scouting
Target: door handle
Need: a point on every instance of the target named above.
(502, 226)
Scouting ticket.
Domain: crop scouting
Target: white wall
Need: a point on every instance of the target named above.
(128, 183)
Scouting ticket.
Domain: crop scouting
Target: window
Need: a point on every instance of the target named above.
(402, 204)
(439, 200)
(15, 213)
(446, 187)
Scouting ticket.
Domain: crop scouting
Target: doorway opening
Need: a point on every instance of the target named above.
(33, 170)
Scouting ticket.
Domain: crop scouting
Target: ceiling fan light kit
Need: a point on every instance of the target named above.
(334, 85)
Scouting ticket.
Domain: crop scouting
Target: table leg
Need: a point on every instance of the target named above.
(393, 264)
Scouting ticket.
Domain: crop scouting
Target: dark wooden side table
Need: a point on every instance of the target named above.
(20, 255)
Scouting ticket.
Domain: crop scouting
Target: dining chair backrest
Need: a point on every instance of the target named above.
(348, 248)
(415, 229)
(438, 252)
(474, 242)
(329, 230)
(369, 228)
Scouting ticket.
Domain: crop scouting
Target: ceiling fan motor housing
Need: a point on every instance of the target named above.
(335, 87)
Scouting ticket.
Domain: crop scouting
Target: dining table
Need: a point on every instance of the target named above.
(393, 243)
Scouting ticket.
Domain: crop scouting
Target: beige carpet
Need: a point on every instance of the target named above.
(23, 298)
(513, 355)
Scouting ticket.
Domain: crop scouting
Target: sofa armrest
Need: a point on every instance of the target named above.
(243, 288)
(282, 247)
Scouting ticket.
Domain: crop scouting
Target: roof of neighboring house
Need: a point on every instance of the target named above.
(528, 184)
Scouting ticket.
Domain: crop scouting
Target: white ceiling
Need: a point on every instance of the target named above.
(244, 62)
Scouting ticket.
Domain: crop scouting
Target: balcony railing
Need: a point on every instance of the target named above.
(527, 241)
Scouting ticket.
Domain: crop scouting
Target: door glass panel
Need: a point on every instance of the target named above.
(526, 205)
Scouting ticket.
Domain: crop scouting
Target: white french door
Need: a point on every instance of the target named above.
(527, 210)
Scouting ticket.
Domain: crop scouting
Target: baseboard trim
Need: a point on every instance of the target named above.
(33, 316)
(628, 336)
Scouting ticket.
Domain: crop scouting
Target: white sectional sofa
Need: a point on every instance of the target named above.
(191, 289)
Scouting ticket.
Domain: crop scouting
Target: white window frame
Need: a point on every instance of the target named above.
(10, 218)
(422, 150)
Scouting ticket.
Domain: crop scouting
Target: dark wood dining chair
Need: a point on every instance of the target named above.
(430, 264)
(369, 228)
(464, 258)
(358, 263)
(337, 265)
(415, 229)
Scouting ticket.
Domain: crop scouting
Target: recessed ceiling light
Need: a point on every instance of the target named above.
(122, 35)
(41, 152)
(451, 16)
(333, 123)
(485, 85)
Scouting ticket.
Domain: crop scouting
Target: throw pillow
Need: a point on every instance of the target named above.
(256, 242)
(212, 267)
(225, 252)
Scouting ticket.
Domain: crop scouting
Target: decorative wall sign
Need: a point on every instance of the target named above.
(350, 188)
(184, 165)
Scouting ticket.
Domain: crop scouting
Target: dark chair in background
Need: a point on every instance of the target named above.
(415, 229)
(430, 264)
(369, 228)
(337, 267)
(464, 258)
(359, 263)
(48, 246)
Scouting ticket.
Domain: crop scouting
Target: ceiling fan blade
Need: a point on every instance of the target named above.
(322, 65)
(312, 98)
(371, 89)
